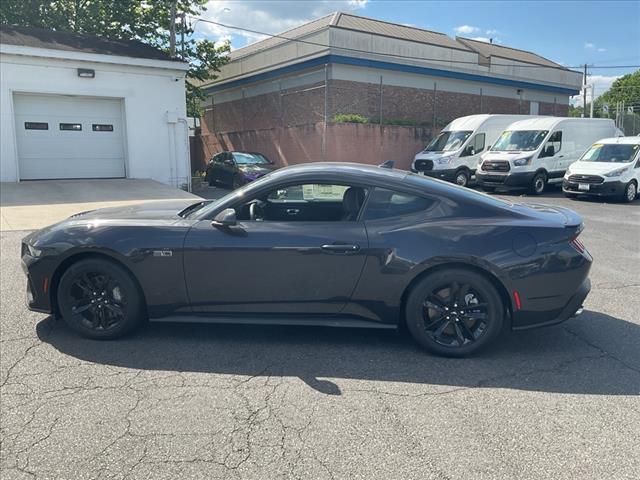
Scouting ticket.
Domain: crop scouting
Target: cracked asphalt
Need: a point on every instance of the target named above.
(238, 402)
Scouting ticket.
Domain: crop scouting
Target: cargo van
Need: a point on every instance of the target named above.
(611, 167)
(454, 154)
(535, 152)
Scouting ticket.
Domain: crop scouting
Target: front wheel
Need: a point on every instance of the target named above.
(630, 192)
(454, 312)
(99, 299)
(462, 178)
(538, 184)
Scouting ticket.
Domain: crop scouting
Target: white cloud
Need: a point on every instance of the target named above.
(601, 84)
(266, 17)
(492, 32)
(601, 49)
(589, 46)
(466, 30)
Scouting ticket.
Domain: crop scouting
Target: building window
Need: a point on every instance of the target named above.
(75, 127)
(36, 126)
(101, 127)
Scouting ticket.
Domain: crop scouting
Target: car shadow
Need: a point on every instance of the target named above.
(554, 359)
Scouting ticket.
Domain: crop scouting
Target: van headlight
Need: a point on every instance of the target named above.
(444, 160)
(521, 162)
(616, 173)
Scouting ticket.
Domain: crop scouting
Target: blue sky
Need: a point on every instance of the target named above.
(602, 33)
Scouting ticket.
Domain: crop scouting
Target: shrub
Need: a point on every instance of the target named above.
(349, 118)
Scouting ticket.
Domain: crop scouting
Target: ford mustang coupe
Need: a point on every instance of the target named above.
(330, 244)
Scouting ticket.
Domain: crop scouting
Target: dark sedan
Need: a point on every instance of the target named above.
(341, 245)
(235, 169)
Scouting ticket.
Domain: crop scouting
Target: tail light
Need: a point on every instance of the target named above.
(578, 245)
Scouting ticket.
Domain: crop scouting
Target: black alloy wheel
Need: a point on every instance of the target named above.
(99, 299)
(454, 312)
(237, 182)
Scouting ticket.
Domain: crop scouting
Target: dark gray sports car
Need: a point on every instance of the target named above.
(341, 245)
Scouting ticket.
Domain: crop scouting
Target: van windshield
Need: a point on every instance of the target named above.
(519, 140)
(607, 152)
(448, 141)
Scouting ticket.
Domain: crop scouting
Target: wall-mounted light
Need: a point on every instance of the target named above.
(86, 73)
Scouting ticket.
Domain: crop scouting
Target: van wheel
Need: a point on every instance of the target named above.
(538, 184)
(630, 192)
(462, 178)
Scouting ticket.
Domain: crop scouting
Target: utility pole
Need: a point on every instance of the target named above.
(584, 92)
(172, 30)
(184, 27)
(593, 97)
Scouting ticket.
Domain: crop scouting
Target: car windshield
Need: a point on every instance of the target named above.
(448, 141)
(607, 152)
(519, 140)
(249, 159)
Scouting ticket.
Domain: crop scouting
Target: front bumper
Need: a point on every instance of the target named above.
(606, 189)
(506, 181)
(38, 275)
(448, 174)
(572, 308)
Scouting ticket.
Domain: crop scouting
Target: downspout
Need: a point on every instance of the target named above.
(187, 150)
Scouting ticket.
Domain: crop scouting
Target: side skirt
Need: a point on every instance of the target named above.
(345, 322)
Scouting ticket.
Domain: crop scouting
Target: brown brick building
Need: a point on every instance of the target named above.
(284, 96)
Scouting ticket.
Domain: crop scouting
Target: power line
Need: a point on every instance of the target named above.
(395, 55)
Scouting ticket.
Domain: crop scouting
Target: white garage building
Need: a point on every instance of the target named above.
(80, 106)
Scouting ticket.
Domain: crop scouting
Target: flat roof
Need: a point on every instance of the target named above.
(79, 42)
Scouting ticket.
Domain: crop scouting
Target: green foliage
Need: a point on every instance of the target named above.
(349, 118)
(575, 111)
(625, 89)
(144, 20)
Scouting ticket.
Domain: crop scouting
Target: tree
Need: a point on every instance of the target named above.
(625, 89)
(144, 20)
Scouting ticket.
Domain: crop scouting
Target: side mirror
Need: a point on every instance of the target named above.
(226, 218)
(468, 151)
(228, 161)
(549, 151)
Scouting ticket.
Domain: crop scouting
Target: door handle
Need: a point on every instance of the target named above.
(341, 248)
(293, 211)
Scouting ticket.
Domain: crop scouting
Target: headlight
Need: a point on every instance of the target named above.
(444, 160)
(521, 162)
(33, 251)
(616, 173)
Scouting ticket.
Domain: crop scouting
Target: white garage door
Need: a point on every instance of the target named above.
(64, 136)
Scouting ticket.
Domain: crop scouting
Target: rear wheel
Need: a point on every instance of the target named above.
(99, 299)
(538, 184)
(462, 178)
(454, 312)
(630, 192)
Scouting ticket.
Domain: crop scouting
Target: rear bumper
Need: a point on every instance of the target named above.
(572, 308)
(605, 189)
(504, 180)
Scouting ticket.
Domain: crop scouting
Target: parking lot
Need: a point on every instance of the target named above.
(176, 401)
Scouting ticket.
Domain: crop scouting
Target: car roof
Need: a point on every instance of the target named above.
(347, 169)
(548, 123)
(621, 140)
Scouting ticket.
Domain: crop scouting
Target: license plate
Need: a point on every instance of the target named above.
(583, 186)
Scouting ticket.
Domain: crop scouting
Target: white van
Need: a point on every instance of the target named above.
(531, 153)
(455, 153)
(611, 167)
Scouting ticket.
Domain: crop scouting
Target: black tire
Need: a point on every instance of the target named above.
(99, 299)
(451, 331)
(630, 192)
(237, 182)
(488, 189)
(538, 184)
(462, 178)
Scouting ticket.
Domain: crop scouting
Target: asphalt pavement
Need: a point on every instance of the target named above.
(245, 402)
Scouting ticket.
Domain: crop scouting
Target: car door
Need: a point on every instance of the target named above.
(216, 167)
(282, 266)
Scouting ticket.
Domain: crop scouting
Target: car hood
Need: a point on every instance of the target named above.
(143, 211)
(256, 170)
(591, 168)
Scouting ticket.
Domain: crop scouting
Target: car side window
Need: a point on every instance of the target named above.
(478, 142)
(218, 158)
(555, 140)
(384, 203)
